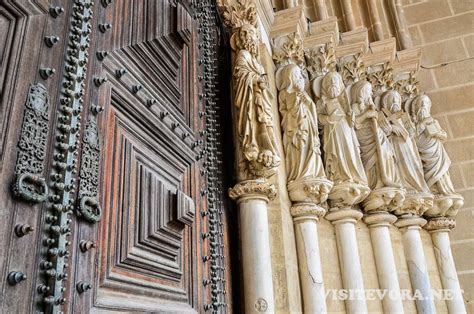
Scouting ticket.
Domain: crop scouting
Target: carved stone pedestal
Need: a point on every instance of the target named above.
(344, 220)
(379, 223)
(252, 197)
(305, 217)
(439, 229)
(410, 226)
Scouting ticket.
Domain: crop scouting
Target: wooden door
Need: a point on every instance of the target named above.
(112, 193)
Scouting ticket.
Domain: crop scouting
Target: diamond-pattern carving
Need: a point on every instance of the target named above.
(147, 229)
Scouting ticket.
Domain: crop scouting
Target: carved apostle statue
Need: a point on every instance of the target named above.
(401, 129)
(341, 148)
(300, 126)
(255, 120)
(429, 139)
(377, 152)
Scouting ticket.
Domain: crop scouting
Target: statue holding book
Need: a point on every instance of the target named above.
(429, 138)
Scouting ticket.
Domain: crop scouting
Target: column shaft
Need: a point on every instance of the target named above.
(447, 270)
(379, 225)
(344, 221)
(348, 14)
(416, 261)
(321, 9)
(309, 264)
(256, 257)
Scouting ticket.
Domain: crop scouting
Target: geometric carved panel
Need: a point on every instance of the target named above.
(147, 244)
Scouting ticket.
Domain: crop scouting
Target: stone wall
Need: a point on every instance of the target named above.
(444, 30)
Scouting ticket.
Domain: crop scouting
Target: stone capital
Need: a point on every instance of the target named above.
(410, 221)
(309, 190)
(336, 215)
(445, 205)
(346, 195)
(379, 218)
(253, 189)
(237, 13)
(440, 224)
(415, 204)
(304, 211)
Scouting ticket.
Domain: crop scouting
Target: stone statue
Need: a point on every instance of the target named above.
(429, 139)
(255, 120)
(341, 148)
(401, 130)
(342, 154)
(300, 137)
(377, 152)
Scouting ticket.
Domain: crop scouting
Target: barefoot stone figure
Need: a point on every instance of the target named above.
(255, 120)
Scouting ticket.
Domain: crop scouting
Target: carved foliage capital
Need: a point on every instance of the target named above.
(307, 210)
(442, 223)
(321, 60)
(237, 13)
(353, 70)
(288, 49)
(408, 87)
(381, 77)
(258, 188)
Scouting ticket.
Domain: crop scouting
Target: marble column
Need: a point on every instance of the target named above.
(410, 226)
(305, 217)
(379, 226)
(439, 229)
(344, 221)
(252, 197)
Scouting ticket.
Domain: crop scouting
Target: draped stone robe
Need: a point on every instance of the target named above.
(341, 148)
(409, 164)
(435, 159)
(300, 138)
(255, 121)
(366, 135)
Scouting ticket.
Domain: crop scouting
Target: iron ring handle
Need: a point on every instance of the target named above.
(36, 180)
(90, 209)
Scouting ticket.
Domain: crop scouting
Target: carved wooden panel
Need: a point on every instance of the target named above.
(146, 245)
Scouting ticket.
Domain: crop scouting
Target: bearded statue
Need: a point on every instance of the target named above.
(255, 120)
(401, 131)
(429, 138)
(341, 148)
(377, 152)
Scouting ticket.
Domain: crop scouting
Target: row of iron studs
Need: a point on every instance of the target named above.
(212, 158)
(64, 173)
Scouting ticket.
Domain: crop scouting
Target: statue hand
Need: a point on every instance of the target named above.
(396, 129)
(371, 114)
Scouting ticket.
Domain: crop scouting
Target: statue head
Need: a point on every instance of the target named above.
(332, 85)
(392, 101)
(292, 79)
(361, 92)
(247, 39)
(421, 107)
